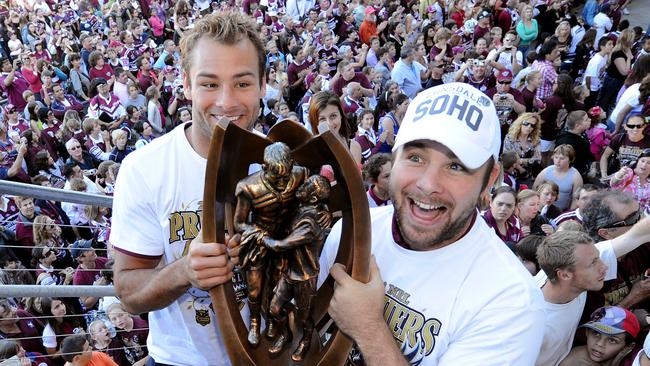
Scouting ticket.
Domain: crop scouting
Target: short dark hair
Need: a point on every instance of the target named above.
(372, 167)
(72, 346)
(526, 249)
(603, 42)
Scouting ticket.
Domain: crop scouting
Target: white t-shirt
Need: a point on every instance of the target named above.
(630, 97)
(596, 71)
(562, 320)
(469, 303)
(505, 58)
(602, 23)
(157, 207)
(49, 337)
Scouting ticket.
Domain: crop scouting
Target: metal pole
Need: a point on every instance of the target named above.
(54, 194)
(55, 291)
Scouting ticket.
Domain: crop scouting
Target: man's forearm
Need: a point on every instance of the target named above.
(379, 348)
(637, 235)
(142, 290)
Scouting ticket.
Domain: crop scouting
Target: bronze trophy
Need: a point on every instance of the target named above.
(283, 212)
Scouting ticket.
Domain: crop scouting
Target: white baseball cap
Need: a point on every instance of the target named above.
(458, 116)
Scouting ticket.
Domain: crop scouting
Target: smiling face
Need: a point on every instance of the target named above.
(642, 167)
(434, 194)
(223, 82)
(332, 116)
(589, 270)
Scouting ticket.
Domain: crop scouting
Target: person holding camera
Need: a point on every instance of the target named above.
(478, 76)
(177, 102)
(508, 101)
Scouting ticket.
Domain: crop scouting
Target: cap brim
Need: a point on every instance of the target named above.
(602, 328)
(470, 155)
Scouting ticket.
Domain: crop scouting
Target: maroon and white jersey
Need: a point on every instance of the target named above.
(8, 212)
(110, 106)
(15, 129)
(128, 57)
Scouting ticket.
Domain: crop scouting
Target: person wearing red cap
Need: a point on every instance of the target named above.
(369, 27)
(508, 101)
(610, 336)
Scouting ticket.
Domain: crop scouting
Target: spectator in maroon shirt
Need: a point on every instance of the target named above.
(132, 331)
(88, 271)
(296, 73)
(13, 82)
(500, 216)
(346, 75)
(24, 231)
(146, 76)
(21, 325)
(99, 68)
(483, 26)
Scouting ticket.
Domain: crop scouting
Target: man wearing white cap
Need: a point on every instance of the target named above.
(443, 288)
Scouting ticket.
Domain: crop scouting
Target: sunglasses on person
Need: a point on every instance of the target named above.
(631, 126)
(505, 82)
(73, 148)
(628, 221)
(528, 124)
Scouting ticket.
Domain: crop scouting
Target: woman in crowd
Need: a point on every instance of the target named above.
(57, 324)
(274, 89)
(584, 51)
(145, 131)
(325, 107)
(625, 148)
(557, 107)
(366, 135)
(524, 138)
(389, 124)
(79, 78)
(48, 233)
(632, 100)
(526, 30)
(563, 174)
(43, 258)
(155, 114)
(532, 223)
(620, 63)
(500, 215)
(636, 180)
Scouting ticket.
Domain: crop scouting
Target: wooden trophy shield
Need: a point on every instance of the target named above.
(232, 151)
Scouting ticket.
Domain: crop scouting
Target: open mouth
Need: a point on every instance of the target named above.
(426, 213)
(232, 119)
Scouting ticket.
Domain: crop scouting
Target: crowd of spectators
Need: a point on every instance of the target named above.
(86, 83)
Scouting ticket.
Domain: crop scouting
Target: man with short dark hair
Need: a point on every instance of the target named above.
(13, 82)
(62, 102)
(449, 292)
(76, 350)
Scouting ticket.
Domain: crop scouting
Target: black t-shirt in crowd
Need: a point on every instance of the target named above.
(612, 70)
